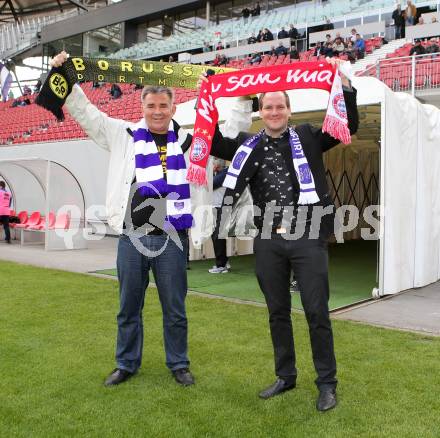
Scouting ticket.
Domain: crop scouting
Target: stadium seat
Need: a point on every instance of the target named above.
(42, 224)
(34, 219)
(62, 222)
(23, 216)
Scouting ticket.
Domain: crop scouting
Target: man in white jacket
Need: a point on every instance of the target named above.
(149, 205)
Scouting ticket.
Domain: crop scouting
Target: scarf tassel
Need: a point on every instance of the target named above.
(337, 129)
(307, 198)
(197, 175)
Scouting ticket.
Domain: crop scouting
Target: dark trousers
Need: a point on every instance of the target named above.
(4, 220)
(219, 244)
(136, 256)
(275, 259)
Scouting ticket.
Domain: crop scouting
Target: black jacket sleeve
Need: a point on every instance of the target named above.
(326, 140)
(224, 147)
(219, 178)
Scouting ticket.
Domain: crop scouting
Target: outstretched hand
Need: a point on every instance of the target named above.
(338, 62)
(59, 60)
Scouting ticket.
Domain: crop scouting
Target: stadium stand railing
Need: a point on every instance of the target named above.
(236, 31)
(402, 72)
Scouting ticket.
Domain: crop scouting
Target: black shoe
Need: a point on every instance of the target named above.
(277, 388)
(326, 400)
(117, 376)
(8, 241)
(183, 376)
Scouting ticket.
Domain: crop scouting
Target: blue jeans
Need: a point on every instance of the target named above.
(169, 270)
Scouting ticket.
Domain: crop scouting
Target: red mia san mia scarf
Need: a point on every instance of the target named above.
(320, 75)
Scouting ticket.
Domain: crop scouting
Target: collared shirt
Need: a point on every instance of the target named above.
(272, 182)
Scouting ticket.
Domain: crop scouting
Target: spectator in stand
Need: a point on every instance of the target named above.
(338, 46)
(280, 50)
(272, 51)
(27, 90)
(328, 25)
(170, 58)
(219, 46)
(256, 58)
(283, 34)
(294, 54)
(352, 37)
(11, 95)
(95, 84)
(37, 86)
(206, 47)
(293, 33)
(5, 203)
(256, 11)
(399, 21)
(359, 47)
(350, 51)
(410, 13)
(328, 49)
(223, 60)
(115, 91)
(421, 21)
(319, 49)
(216, 61)
(433, 19)
(328, 39)
(433, 47)
(267, 35)
(252, 39)
(418, 49)
(260, 36)
(245, 13)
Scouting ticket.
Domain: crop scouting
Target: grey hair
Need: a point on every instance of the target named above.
(157, 89)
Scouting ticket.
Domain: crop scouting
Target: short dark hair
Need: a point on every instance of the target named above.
(157, 89)
(2, 184)
(261, 97)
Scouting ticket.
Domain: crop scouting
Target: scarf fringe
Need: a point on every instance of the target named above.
(308, 198)
(197, 175)
(181, 222)
(337, 129)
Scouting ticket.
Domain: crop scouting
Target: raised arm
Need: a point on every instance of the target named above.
(229, 136)
(102, 129)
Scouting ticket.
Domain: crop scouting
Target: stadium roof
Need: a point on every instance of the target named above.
(13, 10)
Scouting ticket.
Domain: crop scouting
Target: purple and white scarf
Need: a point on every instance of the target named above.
(307, 190)
(151, 180)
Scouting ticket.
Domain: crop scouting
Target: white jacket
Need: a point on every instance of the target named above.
(111, 134)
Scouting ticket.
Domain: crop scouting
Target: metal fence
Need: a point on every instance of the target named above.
(408, 73)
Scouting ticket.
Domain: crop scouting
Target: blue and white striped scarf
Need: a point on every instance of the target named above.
(151, 180)
(307, 190)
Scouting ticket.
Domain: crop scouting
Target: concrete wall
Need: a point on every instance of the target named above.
(115, 13)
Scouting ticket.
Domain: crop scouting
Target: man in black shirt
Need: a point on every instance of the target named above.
(256, 11)
(418, 49)
(270, 171)
(399, 22)
(293, 33)
(283, 34)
